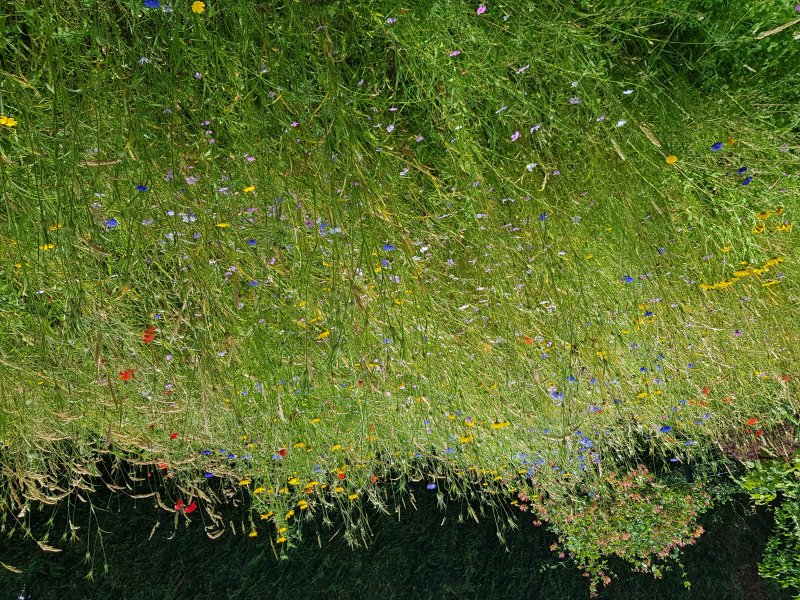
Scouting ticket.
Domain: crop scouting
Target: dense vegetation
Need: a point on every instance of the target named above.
(301, 256)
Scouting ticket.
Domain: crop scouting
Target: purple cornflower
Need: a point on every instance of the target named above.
(388, 247)
(741, 170)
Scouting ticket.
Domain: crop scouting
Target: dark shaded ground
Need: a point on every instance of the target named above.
(418, 557)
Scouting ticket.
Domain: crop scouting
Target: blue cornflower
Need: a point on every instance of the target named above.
(253, 283)
(251, 242)
(716, 146)
(111, 223)
(151, 3)
(627, 279)
(431, 486)
(209, 475)
(570, 377)
(141, 188)
(662, 251)
(543, 216)
(206, 452)
(741, 170)
(649, 313)
(665, 429)
(747, 181)
(388, 247)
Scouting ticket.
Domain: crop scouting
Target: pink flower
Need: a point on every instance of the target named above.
(515, 137)
(481, 9)
(455, 53)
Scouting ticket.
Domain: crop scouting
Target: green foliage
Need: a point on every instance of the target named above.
(767, 481)
(378, 246)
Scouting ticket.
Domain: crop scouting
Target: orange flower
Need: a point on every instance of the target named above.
(752, 421)
(127, 374)
(149, 334)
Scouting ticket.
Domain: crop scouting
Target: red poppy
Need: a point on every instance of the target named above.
(752, 421)
(162, 465)
(149, 334)
(341, 475)
(179, 504)
(706, 390)
(282, 452)
(173, 436)
(190, 508)
(127, 374)
(786, 378)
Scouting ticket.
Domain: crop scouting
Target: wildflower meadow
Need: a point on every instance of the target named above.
(313, 259)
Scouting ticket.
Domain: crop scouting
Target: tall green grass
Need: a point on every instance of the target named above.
(447, 247)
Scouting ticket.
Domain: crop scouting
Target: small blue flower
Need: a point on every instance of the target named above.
(251, 242)
(151, 3)
(662, 251)
(649, 313)
(665, 429)
(741, 170)
(747, 181)
(206, 452)
(209, 475)
(628, 279)
(141, 188)
(570, 378)
(716, 146)
(111, 223)
(388, 247)
(253, 283)
(431, 486)
(543, 216)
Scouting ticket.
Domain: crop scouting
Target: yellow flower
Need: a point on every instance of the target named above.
(289, 515)
(500, 425)
(281, 529)
(726, 248)
(223, 224)
(759, 228)
(784, 227)
(779, 211)
(244, 482)
(671, 159)
(315, 420)
(465, 439)
(47, 246)
(267, 515)
(764, 214)
(352, 496)
(280, 540)
(253, 533)
(259, 490)
(249, 189)
(294, 481)
(338, 489)
(7, 121)
(55, 227)
(324, 334)
(302, 505)
(198, 7)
